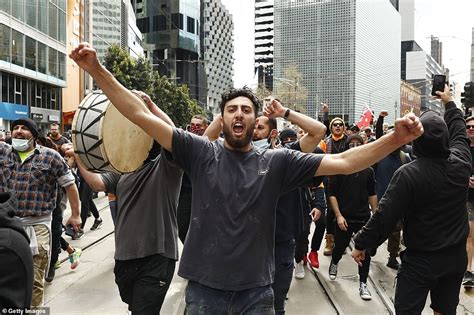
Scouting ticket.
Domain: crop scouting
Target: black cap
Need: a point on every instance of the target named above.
(27, 122)
(287, 133)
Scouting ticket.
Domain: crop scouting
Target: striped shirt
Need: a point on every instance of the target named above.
(34, 181)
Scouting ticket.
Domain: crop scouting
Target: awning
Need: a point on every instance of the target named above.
(67, 117)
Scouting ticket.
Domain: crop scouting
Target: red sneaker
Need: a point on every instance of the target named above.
(313, 259)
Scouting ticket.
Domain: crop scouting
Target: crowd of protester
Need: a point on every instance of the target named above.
(243, 191)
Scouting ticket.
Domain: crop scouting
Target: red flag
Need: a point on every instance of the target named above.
(365, 118)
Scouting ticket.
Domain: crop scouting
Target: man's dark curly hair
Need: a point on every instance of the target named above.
(245, 92)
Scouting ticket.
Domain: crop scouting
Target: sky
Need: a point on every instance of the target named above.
(452, 21)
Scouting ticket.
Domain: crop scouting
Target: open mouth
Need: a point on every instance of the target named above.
(238, 128)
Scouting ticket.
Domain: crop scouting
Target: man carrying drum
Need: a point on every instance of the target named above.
(146, 243)
(235, 191)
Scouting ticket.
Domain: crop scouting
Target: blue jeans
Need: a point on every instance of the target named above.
(201, 299)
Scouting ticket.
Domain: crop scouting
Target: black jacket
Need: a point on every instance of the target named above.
(16, 262)
(428, 194)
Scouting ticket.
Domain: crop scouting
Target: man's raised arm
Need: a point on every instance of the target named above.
(125, 101)
(407, 129)
(315, 130)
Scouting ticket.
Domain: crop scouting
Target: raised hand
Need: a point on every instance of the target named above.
(407, 129)
(274, 109)
(86, 57)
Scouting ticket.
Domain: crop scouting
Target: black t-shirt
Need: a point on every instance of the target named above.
(59, 142)
(230, 241)
(352, 193)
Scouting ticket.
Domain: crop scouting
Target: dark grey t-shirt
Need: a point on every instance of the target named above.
(230, 241)
(146, 209)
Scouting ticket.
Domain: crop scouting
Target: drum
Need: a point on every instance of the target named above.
(105, 140)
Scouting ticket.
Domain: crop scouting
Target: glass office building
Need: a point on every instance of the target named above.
(32, 60)
(348, 52)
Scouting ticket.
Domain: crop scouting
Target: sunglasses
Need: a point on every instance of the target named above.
(354, 144)
(337, 124)
(469, 126)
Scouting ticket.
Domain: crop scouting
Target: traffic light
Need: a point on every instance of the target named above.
(467, 97)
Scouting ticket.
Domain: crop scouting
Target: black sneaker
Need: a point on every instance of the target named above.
(78, 235)
(51, 273)
(97, 224)
(393, 263)
(468, 280)
(332, 271)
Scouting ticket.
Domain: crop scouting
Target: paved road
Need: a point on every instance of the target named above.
(90, 289)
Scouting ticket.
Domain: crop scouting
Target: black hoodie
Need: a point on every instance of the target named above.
(428, 194)
(16, 262)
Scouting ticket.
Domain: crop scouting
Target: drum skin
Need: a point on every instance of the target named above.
(105, 140)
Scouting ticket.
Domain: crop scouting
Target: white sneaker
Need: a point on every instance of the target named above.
(332, 271)
(299, 270)
(364, 292)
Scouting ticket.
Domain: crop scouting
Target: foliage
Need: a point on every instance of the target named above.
(290, 88)
(139, 75)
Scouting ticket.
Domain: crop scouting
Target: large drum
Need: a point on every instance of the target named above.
(105, 140)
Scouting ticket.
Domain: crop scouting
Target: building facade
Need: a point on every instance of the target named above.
(264, 36)
(218, 51)
(172, 35)
(420, 69)
(410, 99)
(437, 50)
(32, 60)
(337, 47)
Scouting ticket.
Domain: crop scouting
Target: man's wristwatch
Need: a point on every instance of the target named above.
(287, 113)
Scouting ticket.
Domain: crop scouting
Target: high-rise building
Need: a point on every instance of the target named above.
(32, 60)
(437, 50)
(417, 66)
(420, 69)
(348, 53)
(172, 35)
(264, 42)
(218, 51)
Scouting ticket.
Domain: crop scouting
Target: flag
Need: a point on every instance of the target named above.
(365, 118)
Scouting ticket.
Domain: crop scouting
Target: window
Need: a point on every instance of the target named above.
(6, 6)
(42, 63)
(177, 21)
(190, 25)
(62, 66)
(4, 42)
(11, 89)
(143, 24)
(159, 23)
(31, 12)
(17, 48)
(30, 53)
(62, 26)
(53, 21)
(43, 16)
(52, 62)
(17, 9)
(4, 78)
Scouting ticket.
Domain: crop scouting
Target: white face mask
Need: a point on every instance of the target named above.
(21, 145)
(261, 144)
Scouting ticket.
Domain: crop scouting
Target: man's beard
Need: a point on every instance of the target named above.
(237, 143)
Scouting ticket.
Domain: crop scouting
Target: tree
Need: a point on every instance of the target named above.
(139, 75)
(290, 89)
